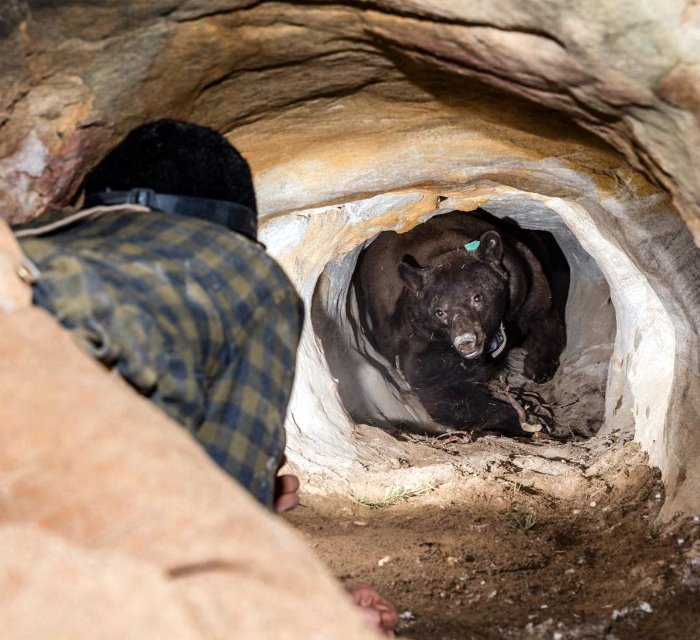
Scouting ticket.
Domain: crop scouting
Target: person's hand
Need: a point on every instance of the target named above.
(286, 488)
(378, 612)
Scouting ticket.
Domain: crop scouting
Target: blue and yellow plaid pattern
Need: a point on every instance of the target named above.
(197, 318)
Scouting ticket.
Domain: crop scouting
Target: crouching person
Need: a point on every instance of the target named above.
(161, 279)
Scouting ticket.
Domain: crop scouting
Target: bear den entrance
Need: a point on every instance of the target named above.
(569, 406)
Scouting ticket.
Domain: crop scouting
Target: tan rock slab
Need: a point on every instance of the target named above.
(96, 476)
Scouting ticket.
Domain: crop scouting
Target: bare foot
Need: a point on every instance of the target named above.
(380, 614)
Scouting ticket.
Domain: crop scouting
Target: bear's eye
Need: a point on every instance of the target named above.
(439, 313)
(477, 297)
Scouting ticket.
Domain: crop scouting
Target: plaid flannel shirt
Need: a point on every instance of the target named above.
(197, 318)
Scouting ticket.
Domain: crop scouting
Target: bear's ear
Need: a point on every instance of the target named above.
(412, 277)
(490, 248)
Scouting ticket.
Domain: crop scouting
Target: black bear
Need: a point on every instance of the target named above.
(445, 300)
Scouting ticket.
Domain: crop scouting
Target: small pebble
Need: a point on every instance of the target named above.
(680, 541)
(658, 496)
(558, 635)
(493, 594)
(646, 607)
(407, 615)
(452, 560)
(576, 511)
(360, 523)
(696, 520)
(593, 504)
(384, 560)
(544, 606)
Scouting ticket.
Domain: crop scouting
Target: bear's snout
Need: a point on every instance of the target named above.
(467, 345)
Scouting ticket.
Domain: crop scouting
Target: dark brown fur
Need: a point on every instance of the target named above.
(435, 309)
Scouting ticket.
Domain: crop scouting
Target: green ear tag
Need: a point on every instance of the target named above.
(472, 246)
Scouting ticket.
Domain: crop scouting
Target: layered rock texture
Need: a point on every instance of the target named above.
(582, 118)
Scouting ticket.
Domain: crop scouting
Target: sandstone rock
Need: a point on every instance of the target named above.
(50, 588)
(113, 519)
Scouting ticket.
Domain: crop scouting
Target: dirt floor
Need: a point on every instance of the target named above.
(514, 539)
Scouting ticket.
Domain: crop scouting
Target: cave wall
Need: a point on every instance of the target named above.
(628, 72)
(360, 117)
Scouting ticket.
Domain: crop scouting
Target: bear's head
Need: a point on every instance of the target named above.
(461, 296)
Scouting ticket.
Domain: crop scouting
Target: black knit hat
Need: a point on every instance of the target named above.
(176, 158)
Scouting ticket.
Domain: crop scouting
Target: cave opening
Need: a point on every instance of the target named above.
(619, 378)
(375, 393)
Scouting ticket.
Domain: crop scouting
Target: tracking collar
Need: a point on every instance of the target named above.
(498, 342)
(234, 216)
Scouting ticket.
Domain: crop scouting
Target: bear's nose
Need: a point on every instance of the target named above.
(466, 344)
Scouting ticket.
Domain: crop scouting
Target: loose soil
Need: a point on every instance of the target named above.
(534, 539)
